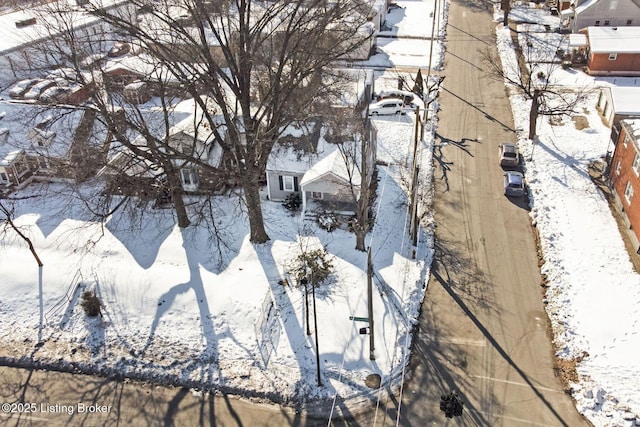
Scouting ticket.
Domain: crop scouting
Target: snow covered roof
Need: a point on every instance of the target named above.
(578, 40)
(18, 28)
(633, 127)
(335, 165)
(614, 39)
(584, 5)
(28, 123)
(625, 99)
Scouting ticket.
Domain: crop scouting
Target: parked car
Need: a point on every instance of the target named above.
(514, 184)
(37, 89)
(387, 106)
(508, 155)
(20, 88)
(68, 74)
(406, 97)
(55, 94)
(119, 49)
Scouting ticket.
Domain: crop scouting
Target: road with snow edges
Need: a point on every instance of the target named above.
(483, 329)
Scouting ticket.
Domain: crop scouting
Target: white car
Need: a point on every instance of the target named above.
(387, 106)
(37, 89)
(19, 89)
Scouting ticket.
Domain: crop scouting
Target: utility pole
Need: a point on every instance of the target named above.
(304, 283)
(370, 303)
(315, 325)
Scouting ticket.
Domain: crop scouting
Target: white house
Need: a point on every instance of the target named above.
(600, 13)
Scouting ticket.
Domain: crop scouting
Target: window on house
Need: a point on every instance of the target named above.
(613, 56)
(597, 23)
(4, 178)
(188, 176)
(316, 195)
(629, 21)
(606, 22)
(618, 167)
(288, 183)
(628, 192)
(625, 142)
(636, 164)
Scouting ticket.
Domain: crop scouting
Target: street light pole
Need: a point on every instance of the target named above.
(315, 324)
(304, 282)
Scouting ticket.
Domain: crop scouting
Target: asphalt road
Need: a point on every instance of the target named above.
(483, 329)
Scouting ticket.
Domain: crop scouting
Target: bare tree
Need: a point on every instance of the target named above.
(533, 75)
(8, 221)
(263, 64)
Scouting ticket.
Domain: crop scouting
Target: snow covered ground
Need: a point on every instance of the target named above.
(593, 295)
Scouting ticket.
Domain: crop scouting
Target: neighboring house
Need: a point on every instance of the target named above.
(308, 162)
(578, 14)
(23, 34)
(190, 137)
(613, 51)
(326, 176)
(624, 175)
(48, 144)
(14, 166)
(616, 103)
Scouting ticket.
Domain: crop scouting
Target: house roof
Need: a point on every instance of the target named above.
(13, 37)
(633, 127)
(578, 40)
(335, 165)
(28, 121)
(625, 99)
(614, 39)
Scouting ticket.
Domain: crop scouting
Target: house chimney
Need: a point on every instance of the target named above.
(25, 22)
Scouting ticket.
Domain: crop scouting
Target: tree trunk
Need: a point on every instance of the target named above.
(177, 199)
(506, 8)
(533, 114)
(254, 210)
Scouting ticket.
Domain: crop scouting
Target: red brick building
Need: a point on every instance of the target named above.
(613, 51)
(624, 175)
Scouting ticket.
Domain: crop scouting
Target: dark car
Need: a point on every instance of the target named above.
(119, 49)
(19, 89)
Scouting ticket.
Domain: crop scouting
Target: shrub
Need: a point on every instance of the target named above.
(292, 202)
(91, 304)
(328, 221)
(314, 265)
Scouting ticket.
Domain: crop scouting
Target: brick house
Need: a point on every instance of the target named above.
(613, 51)
(624, 176)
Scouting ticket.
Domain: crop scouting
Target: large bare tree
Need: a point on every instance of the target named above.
(263, 64)
(532, 73)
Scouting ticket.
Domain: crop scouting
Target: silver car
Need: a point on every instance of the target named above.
(508, 155)
(514, 184)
